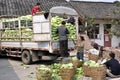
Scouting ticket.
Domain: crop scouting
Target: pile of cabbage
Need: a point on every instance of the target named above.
(26, 17)
(79, 73)
(43, 73)
(56, 22)
(14, 34)
(54, 68)
(57, 66)
(75, 58)
(91, 63)
(26, 33)
(44, 69)
(56, 74)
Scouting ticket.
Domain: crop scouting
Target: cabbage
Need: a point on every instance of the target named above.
(56, 22)
(79, 73)
(74, 58)
(67, 66)
(91, 63)
(13, 35)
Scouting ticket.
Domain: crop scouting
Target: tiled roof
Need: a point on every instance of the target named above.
(96, 9)
(15, 7)
(23, 7)
(89, 9)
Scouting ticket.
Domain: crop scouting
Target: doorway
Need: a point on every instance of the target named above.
(107, 38)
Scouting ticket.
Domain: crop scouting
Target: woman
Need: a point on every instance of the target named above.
(80, 47)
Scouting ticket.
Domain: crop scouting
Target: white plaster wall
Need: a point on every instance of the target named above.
(115, 41)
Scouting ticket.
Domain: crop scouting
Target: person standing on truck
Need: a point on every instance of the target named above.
(71, 20)
(62, 31)
(36, 9)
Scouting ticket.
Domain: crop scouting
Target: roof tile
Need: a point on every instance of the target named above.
(89, 9)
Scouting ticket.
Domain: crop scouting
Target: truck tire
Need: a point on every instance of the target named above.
(3, 53)
(26, 57)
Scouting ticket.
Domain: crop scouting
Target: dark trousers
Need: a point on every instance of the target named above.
(64, 48)
(80, 55)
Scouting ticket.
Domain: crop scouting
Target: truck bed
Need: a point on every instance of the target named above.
(42, 45)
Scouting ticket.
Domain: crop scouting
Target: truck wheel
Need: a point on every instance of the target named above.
(3, 53)
(26, 57)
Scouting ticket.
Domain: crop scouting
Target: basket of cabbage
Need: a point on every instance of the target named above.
(94, 70)
(77, 63)
(67, 71)
(43, 73)
(93, 57)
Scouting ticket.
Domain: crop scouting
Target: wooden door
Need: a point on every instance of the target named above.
(107, 40)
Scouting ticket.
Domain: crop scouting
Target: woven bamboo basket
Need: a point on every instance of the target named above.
(98, 77)
(87, 71)
(93, 57)
(43, 76)
(77, 63)
(97, 73)
(67, 74)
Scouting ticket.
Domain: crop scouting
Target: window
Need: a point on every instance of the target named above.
(107, 28)
(93, 32)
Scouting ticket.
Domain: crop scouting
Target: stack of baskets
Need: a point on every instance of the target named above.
(93, 57)
(67, 74)
(77, 63)
(97, 73)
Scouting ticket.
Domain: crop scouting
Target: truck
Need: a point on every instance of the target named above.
(30, 38)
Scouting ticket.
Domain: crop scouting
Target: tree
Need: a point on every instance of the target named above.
(115, 31)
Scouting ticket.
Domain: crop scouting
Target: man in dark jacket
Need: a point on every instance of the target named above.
(62, 31)
(113, 66)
